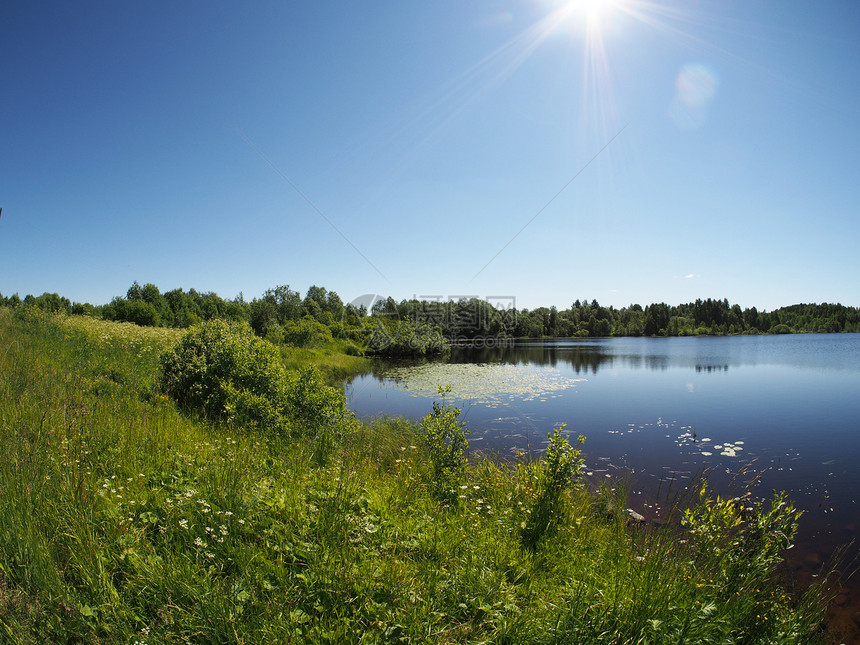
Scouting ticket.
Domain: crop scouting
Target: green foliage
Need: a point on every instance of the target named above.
(418, 328)
(546, 484)
(319, 410)
(306, 333)
(124, 521)
(224, 372)
(446, 440)
(405, 338)
(48, 302)
(138, 312)
(745, 538)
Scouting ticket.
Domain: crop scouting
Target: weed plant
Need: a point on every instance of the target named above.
(127, 520)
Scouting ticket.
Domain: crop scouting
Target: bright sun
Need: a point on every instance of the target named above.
(594, 10)
(591, 14)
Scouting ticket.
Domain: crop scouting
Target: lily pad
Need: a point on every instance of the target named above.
(488, 384)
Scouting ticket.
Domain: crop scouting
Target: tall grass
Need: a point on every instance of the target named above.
(332, 360)
(124, 521)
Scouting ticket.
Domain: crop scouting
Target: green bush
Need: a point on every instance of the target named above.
(138, 312)
(745, 539)
(306, 333)
(226, 373)
(405, 338)
(319, 411)
(548, 479)
(446, 440)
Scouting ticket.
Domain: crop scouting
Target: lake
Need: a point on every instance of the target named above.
(661, 410)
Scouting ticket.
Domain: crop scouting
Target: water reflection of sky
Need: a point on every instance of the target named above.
(646, 407)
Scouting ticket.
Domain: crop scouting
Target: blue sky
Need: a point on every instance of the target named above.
(398, 147)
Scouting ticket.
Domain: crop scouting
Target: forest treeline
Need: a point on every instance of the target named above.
(417, 327)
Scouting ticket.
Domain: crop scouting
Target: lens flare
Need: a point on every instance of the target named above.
(695, 88)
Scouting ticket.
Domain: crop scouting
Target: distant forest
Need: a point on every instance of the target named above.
(419, 326)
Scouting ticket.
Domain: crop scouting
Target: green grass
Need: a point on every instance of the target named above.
(125, 521)
(331, 360)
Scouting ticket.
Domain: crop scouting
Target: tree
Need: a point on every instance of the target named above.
(264, 315)
(150, 294)
(656, 319)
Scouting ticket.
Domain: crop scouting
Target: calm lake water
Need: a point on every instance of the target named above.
(660, 410)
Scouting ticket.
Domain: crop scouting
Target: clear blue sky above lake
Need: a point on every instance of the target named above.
(398, 147)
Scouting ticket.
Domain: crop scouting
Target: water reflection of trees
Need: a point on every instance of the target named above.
(585, 358)
(580, 358)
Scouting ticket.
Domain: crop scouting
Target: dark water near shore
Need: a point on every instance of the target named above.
(661, 410)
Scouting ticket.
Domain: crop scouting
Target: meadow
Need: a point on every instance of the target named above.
(129, 518)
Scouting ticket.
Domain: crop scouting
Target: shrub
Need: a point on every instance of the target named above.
(226, 373)
(138, 312)
(741, 538)
(405, 338)
(319, 411)
(306, 333)
(547, 481)
(446, 440)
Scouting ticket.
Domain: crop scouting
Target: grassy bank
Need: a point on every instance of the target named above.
(125, 521)
(331, 360)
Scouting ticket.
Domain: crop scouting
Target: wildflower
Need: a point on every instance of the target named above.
(183, 523)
